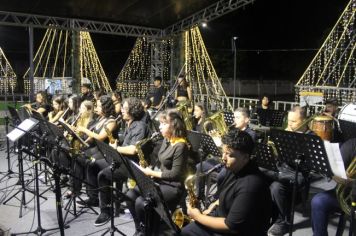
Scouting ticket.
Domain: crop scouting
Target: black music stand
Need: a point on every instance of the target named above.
(303, 152)
(265, 158)
(116, 160)
(147, 186)
(15, 120)
(272, 118)
(229, 118)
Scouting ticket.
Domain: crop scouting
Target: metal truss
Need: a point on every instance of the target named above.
(210, 13)
(39, 21)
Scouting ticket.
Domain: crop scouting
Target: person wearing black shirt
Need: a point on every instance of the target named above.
(86, 93)
(184, 91)
(136, 130)
(173, 158)
(241, 121)
(41, 104)
(199, 117)
(325, 203)
(244, 204)
(157, 95)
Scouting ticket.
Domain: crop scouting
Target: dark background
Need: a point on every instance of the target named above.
(277, 39)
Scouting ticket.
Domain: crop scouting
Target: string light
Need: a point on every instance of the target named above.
(52, 61)
(332, 71)
(7, 75)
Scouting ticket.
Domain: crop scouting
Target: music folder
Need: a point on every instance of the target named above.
(74, 134)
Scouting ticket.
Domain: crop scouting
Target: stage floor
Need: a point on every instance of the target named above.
(83, 225)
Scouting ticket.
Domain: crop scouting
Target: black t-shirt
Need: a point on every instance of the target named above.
(157, 95)
(245, 201)
(348, 151)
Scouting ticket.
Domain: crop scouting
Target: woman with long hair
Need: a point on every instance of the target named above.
(199, 117)
(184, 91)
(172, 173)
(59, 107)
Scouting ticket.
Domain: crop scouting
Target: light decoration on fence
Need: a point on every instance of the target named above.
(332, 71)
(53, 63)
(7, 75)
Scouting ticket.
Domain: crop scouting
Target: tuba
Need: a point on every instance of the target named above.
(343, 192)
(182, 108)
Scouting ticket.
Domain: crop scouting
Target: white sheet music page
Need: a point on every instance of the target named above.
(26, 125)
(335, 159)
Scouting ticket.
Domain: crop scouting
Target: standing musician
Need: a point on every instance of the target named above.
(184, 91)
(173, 159)
(281, 191)
(59, 108)
(325, 203)
(99, 173)
(244, 204)
(40, 105)
(86, 93)
(158, 93)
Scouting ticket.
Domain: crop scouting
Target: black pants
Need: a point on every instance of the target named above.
(171, 196)
(196, 229)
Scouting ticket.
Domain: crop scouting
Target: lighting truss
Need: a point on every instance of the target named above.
(39, 21)
(209, 13)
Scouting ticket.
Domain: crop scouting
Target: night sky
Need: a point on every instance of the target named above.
(277, 39)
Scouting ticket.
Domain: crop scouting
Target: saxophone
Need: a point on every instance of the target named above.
(141, 156)
(110, 135)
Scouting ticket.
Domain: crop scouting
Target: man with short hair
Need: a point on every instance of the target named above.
(281, 191)
(244, 203)
(86, 93)
(157, 95)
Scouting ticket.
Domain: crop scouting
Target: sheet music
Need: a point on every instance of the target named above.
(26, 125)
(335, 159)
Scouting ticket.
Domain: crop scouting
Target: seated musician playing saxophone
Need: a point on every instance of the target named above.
(99, 173)
(325, 203)
(40, 105)
(173, 157)
(244, 204)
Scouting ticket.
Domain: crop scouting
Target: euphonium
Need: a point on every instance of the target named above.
(182, 108)
(217, 122)
(343, 192)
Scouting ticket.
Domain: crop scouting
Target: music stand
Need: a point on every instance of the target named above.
(272, 118)
(147, 186)
(229, 118)
(305, 153)
(264, 157)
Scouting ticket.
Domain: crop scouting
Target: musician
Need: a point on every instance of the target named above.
(73, 105)
(59, 107)
(199, 117)
(173, 159)
(99, 173)
(41, 104)
(325, 203)
(184, 91)
(98, 93)
(241, 121)
(280, 190)
(158, 93)
(117, 100)
(244, 204)
(86, 92)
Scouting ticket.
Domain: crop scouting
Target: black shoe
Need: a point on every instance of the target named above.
(88, 203)
(278, 229)
(102, 219)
